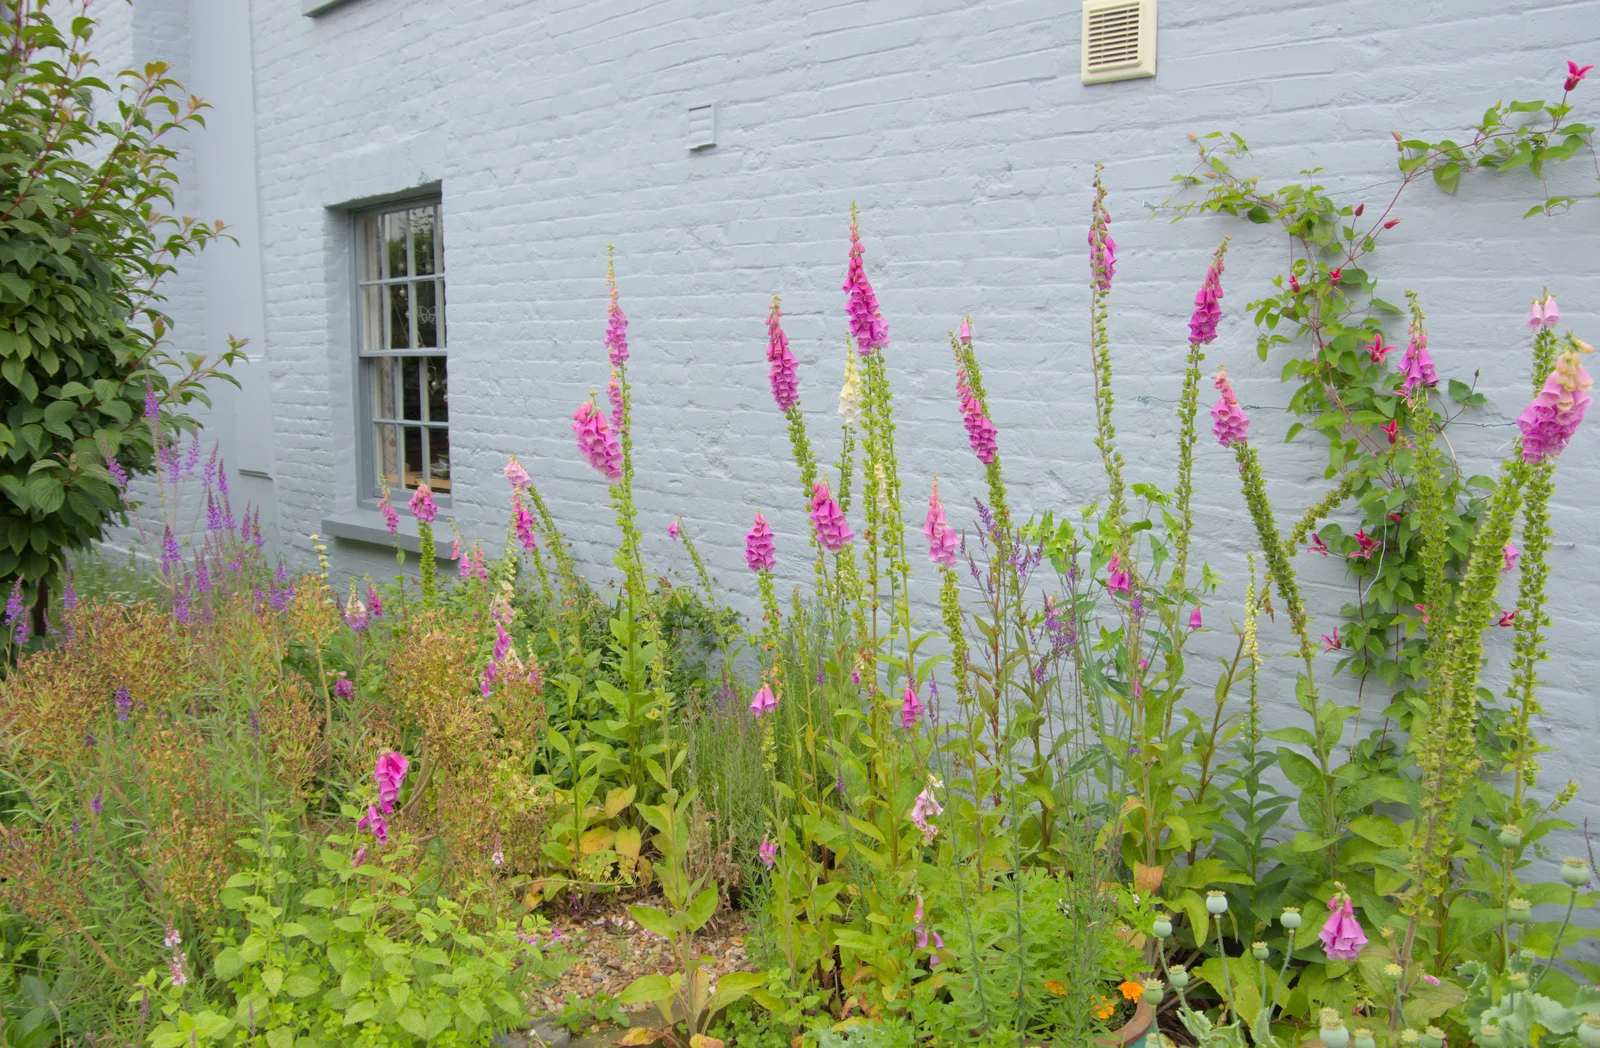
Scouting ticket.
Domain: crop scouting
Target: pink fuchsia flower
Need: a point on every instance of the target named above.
(1550, 421)
(867, 325)
(1366, 545)
(1118, 580)
(1507, 618)
(833, 531)
(1318, 546)
(422, 505)
(344, 687)
(769, 852)
(390, 773)
(942, 539)
(1230, 423)
(910, 708)
(981, 433)
(1417, 364)
(673, 530)
(1194, 619)
(373, 820)
(1391, 429)
(926, 806)
(1207, 308)
(1575, 75)
(1102, 249)
(764, 702)
(782, 374)
(517, 475)
(965, 334)
(1378, 352)
(616, 322)
(1333, 643)
(1509, 554)
(597, 443)
(1342, 937)
(759, 549)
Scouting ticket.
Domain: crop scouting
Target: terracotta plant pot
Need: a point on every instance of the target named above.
(1135, 1033)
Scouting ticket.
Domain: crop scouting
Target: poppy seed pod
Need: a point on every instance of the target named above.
(1154, 992)
(1575, 872)
(1290, 918)
(1216, 903)
(1589, 1031)
(1510, 836)
(1332, 1033)
(1364, 1039)
(1178, 976)
(1258, 950)
(1519, 911)
(1433, 1037)
(1161, 927)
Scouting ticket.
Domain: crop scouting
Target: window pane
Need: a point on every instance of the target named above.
(427, 318)
(413, 440)
(439, 459)
(438, 393)
(387, 454)
(399, 317)
(394, 245)
(422, 240)
(382, 370)
(439, 306)
(371, 318)
(411, 387)
(369, 247)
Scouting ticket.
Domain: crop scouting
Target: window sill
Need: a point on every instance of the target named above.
(367, 526)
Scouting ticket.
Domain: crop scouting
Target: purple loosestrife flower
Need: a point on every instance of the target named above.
(1231, 424)
(422, 505)
(596, 442)
(191, 461)
(517, 475)
(1207, 310)
(17, 615)
(769, 852)
(1549, 422)
(867, 325)
(374, 821)
(764, 702)
(213, 513)
(344, 687)
(118, 474)
(123, 703)
(152, 403)
(910, 708)
(785, 381)
(833, 531)
(1342, 937)
(1417, 364)
(202, 575)
(97, 803)
(759, 550)
(170, 557)
(616, 323)
(390, 774)
(942, 539)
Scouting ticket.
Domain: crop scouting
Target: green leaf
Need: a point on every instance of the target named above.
(319, 897)
(280, 1037)
(1447, 176)
(412, 1022)
(652, 920)
(647, 989)
(360, 1012)
(704, 905)
(228, 964)
(272, 979)
(303, 983)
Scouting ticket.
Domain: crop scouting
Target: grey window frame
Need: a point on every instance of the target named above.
(370, 485)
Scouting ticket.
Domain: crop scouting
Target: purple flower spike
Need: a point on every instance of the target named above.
(867, 325)
(759, 550)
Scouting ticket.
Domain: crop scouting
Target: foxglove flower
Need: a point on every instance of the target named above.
(373, 821)
(614, 397)
(616, 323)
(1550, 421)
(1417, 364)
(942, 540)
(422, 505)
(596, 441)
(1509, 554)
(524, 527)
(375, 602)
(867, 325)
(764, 702)
(833, 531)
(981, 433)
(1231, 424)
(785, 380)
(910, 708)
(759, 549)
(672, 531)
(517, 475)
(769, 852)
(926, 806)
(1102, 249)
(1117, 579)
(1342, 937)
(1207, 310)
(390, 773)
(850, 394)
(1194, 619)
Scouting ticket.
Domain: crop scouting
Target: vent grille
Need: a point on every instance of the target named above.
(1118, 39)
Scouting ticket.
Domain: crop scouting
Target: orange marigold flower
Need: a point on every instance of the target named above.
(1131, 991)
(1056, 988)
(1105, 1008)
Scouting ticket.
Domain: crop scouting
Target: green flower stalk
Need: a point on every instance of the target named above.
(1102, 263)
(426, 511)
(1319, 511)
(1188, 408)
(969, 383)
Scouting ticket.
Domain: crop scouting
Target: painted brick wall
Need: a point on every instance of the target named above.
(964, 134)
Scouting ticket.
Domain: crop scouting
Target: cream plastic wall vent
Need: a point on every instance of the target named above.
(1119, 40)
